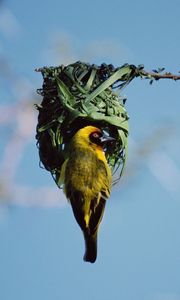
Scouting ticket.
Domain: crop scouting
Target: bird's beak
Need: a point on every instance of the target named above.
(106, 138)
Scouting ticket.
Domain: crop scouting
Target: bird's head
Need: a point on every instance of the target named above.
(93, 136)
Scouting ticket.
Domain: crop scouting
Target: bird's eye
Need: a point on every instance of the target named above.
(96, 135)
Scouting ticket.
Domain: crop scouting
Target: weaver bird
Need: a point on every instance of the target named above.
(87, 177)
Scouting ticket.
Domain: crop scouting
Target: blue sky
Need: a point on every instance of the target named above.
(139, 243)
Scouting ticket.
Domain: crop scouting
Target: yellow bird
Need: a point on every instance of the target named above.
(86, 177)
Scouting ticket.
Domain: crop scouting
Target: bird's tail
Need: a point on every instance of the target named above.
(91, 247)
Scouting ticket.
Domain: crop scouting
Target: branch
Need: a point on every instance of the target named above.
(156, 75)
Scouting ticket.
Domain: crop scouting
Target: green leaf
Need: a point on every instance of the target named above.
(64, 93)
(126, 70)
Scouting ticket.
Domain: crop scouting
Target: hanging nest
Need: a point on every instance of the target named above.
(78, 95)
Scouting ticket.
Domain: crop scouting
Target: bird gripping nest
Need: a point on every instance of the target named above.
(78, 95)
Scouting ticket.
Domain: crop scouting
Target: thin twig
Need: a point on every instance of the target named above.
(157, 76)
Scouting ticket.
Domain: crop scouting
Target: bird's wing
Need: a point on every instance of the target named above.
(87, 184)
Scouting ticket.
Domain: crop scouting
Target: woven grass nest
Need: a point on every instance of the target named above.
(78, 95)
